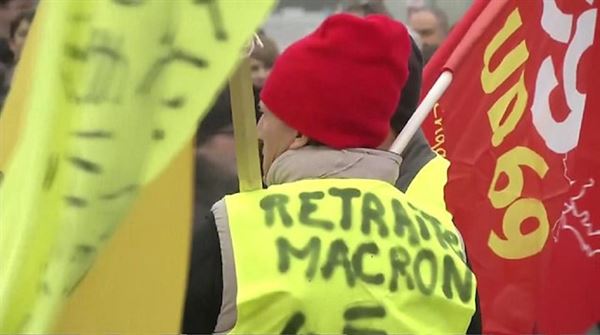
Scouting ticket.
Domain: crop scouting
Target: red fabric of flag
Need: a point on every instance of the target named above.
(519, 125)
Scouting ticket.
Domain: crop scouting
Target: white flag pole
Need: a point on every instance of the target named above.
(434, 94)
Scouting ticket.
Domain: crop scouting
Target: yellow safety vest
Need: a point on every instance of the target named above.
(427, 187)
(345, 256)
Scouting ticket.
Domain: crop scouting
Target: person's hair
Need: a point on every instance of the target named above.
(411, 92)
(314, 143)
(439, 14)
(366, 7)
(14, 25)
(266, 54)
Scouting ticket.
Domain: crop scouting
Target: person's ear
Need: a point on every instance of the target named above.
(298, 142)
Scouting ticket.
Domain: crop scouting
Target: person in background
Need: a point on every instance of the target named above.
(367, 7)
(18, 31)
(216, 170)
(414, 5)
(431, 24)
(262, 60)
(363, 7)
(9, 11)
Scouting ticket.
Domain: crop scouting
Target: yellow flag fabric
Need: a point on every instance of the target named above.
(375, 262)
(116, 89)
(137, 284)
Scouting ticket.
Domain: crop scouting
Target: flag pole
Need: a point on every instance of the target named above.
(413, 124)
(244, 128)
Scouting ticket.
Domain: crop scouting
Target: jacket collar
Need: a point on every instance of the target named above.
(319, 162)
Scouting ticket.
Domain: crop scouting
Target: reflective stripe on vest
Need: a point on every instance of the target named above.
(345, 256)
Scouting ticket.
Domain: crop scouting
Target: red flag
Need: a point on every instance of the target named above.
(519, 125)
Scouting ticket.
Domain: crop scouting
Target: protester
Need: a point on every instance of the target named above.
(216, 171)
(431, 24)
(262, 59)
(327, 106)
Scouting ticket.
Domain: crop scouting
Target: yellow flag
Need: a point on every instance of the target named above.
(137, 284)
(116, 89)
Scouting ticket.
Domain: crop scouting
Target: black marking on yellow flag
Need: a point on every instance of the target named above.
(75, 52)
(168, 37)
(158, 134)
(109, 65)
(93, 134)
(82, 251)
(103, 58)
(180, 55)
(51, 169)
(173, 57)
(75, 201)
(69, 290)
(44, 287)
(216, 18)
(106, 234)
(83, 254)
(175, 102)
(106, 50)
(85, 165)
(129, 2)
(119, 193)
(1, 177)
(79, 17)
(294, 323)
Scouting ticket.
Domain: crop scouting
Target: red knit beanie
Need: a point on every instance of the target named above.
(341, 84)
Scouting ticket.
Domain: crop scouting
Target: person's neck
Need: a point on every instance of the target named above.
(321, 162)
